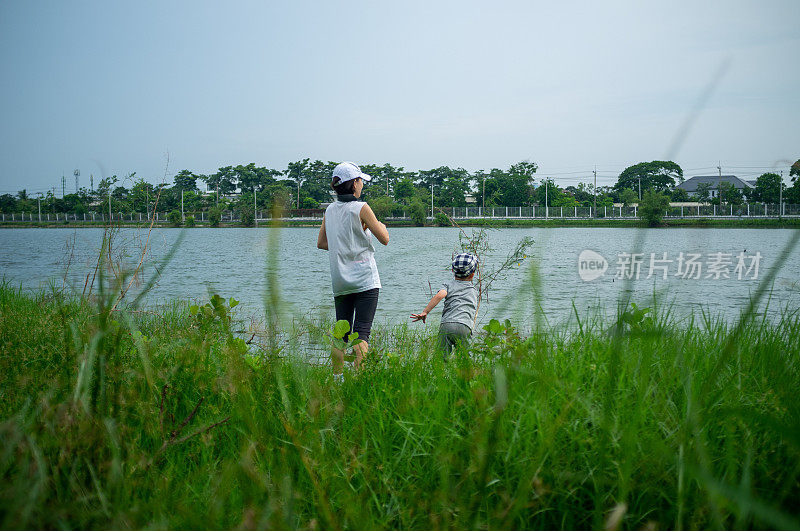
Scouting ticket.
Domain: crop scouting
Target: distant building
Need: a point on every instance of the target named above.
(714, 181)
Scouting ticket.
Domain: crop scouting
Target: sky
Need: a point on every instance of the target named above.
(111, 88)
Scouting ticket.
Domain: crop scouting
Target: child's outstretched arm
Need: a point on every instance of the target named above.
(441, 294)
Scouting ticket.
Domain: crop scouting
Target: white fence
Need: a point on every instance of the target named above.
(748, 210)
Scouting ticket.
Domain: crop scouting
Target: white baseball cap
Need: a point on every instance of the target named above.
(347, 171)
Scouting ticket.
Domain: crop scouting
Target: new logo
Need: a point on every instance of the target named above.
(591, 265)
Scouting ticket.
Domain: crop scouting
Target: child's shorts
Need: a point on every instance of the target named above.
(451, 335)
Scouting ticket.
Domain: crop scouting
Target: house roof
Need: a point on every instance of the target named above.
(690, 185)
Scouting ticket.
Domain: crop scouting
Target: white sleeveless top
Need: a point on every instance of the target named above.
(352, 256)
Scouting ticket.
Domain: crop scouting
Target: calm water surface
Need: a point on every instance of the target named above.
(233, 263)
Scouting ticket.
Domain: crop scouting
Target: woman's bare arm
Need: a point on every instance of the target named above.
(375, 227)
(322, 238)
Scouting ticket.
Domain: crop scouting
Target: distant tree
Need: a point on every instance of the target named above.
(657, 175)
(728, 193)
(628, 197)
(404, 190)
(224, 181)
(767, 189)
(7, 203)
(792, 193)
(703, 192)
(186, 181)
(548, 194)
(794, 171)
(383, 206)
(174, 218)
(652, 207)
(296, 171)
(22, 195)
(418, 212)
(679, 195)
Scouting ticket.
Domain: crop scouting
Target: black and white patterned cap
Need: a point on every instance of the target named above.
(464, 264)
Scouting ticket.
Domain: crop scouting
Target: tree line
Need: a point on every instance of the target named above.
(305, 184)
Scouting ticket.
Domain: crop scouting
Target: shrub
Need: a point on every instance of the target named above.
(418, 212)
(442, 220)
(189, 221)
(652, 207)
(214, 217)
(383, 207)
(246, 217)
(174, 218)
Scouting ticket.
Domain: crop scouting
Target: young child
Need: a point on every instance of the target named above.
(460, 304)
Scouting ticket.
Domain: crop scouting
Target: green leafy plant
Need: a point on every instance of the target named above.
(343, 340)
(189, 222)
(214, 217)
(246, 217)
(174, 218)
(215, 315)
(636, 321)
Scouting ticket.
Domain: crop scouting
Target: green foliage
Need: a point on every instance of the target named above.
(189, 223)
(703, 192)
(628, 197)
(174, 218)
(214, 217)
(383, 207)
(418, 212)
(767, 189)
(442, 220)
(636, 322)
(246, 216)
(728, 193)
(653, 207)
(657, 175)
(168, 416)
(185, 180)
(404, 190)
(679, 195)
(215, 315)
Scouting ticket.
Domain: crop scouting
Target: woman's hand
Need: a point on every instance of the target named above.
(419, 316)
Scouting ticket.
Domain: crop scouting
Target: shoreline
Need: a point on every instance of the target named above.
(734, 223)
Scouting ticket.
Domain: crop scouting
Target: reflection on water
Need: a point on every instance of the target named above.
(233, 262)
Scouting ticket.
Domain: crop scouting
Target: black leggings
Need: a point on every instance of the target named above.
(363, 304)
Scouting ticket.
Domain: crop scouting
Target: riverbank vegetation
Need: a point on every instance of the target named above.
(166, 416)
(304, 185)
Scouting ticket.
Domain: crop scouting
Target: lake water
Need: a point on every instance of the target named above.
(233, 263)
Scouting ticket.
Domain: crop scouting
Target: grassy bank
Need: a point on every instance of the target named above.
(166, 418)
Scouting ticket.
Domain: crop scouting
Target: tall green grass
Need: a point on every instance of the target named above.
(161, 418)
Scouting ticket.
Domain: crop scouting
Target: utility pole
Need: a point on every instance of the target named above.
(640, 189)
(63, 185)
(183, 218)
(91, 181)
(483, 195)
(780, 196)
(546, 205)
(76, 173)
(719, 171)
(595, 191)
(431, 198)
(217, 193)
(40, 207)
(109, 204)
(255, 204)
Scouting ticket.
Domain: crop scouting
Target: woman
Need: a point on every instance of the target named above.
(346, 233)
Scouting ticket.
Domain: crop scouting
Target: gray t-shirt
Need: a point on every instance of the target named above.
(461, 302)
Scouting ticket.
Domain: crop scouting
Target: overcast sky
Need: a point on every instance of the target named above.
(112, 89)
